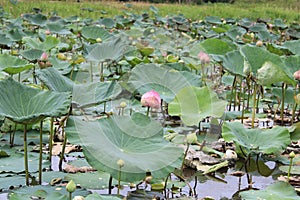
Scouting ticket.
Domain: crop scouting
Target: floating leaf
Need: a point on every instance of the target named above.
(193, 104)
(278, 190)
(138, 142)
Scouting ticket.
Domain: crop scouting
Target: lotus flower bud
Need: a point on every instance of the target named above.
(191, 138)
(44, 56)
(98, 40)
(151, 99)
(121, 163)
(292, 155)
(71, 186)
(204, 57)
(259, 43)
(123, 104)
(297, 75)
(47, 32)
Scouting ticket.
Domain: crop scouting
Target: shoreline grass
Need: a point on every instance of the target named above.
(288, 10)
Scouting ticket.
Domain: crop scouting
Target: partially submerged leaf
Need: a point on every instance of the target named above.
(278, 190)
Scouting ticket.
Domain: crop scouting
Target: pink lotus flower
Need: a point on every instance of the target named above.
(297, 75)
(151, 99)
(44, 56)
(204, 57)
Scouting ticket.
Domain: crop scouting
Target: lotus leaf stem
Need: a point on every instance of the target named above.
(148, 109)
(26, 156)
(243, 105)
(41, 152)
(254, 105)
(110, 184)
(282, 102)
(62, 155)
(51, 140)
(231, 94)
(185, 153)
(119, 180)
(12, 136)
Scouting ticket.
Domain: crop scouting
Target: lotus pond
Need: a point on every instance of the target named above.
(148, 107)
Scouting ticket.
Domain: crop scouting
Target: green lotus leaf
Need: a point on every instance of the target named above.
(280, 24)
(112, 50)
(293, 46)
(28, 105)
(137, 141)
(44, 192)
(32, 54)
(269, 141)
(49, 43)
(15, 34)
(108, 22)
(12, 64)
(36, 19)
(83, 95)
(193, 104)
(271, 73)
(166, 81)
(236, 32)
(94, 32)
(233, 62)
(58, 28)
(54, 80)
(90, 180)
(256, 58)
(216, 46)
(292, 64)
(278, 190)
(96, 196)
(213, 20)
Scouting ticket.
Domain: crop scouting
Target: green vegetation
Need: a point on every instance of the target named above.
(288, 10)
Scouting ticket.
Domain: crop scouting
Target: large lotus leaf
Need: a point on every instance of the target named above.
(14, 162)
(233, 62)
(49, 43)
(94, 32)
(90, 94)
(255, 140)
(90, 180)
(236, 32)
(293, 46)
(46, 192)
(112, 50)
(278, 190)
(137, 141)
(96, 196)
(24, 104)
(83, 95)
(193, 104)
(36, 19)
(108, 22)
(256, 58)
(54, 80)
(12, 64)
(166, 81)
(271, 73)
(32, 54)
(216, 46)
(57, 27)
(292, 64)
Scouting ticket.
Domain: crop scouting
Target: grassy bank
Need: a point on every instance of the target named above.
(289, 10)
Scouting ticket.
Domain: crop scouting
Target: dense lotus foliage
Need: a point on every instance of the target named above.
(129, 89)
